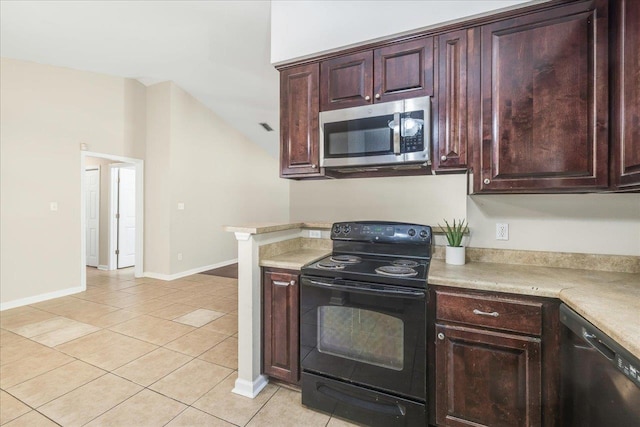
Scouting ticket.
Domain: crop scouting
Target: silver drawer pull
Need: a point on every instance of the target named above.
(484, 313)
(282, 283)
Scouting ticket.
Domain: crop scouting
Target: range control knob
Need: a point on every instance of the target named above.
(424, 234)
(346, 229)
(336, 229)
(411, 232)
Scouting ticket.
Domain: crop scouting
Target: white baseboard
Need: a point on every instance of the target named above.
(169, 277)
(39, 298)
(250, 389)
(103, 267)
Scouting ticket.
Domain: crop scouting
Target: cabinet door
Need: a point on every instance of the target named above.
(458, 99)
(545, 101)
(625, 121)
(347, 81)
(299, 133)
(403, 70)
(281, 299)
(487, 378)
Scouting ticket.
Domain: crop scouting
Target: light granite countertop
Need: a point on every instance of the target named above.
(294, 260)
(609, 300)
(262, 228)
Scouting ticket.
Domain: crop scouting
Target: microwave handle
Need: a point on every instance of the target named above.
(396, 133)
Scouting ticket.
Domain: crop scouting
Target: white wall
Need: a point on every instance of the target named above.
(305, 28)
(45, 113)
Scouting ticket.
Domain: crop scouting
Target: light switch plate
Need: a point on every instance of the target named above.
(180, 206)
(53, 206)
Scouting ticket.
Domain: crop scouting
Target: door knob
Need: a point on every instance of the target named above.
(487, 181)
(440, 336)
(377, 96)
(367, 98)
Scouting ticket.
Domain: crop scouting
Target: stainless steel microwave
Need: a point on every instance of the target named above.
(389, 133)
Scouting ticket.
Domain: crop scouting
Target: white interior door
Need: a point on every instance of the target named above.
(127, 217)
(92, 206)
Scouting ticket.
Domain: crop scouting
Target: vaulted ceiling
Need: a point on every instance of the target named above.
(218, 51)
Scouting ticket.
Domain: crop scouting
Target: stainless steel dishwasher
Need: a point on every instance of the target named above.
(600, 378)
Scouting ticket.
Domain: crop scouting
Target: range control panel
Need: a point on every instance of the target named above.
(382, 232)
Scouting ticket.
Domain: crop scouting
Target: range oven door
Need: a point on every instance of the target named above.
(365, 334)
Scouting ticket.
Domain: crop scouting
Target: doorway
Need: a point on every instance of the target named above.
(123, 216)
(92, 212)
(132, 227)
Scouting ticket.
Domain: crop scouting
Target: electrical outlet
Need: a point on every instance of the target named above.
(315, 234)
(53, 206)
(179, 256)
(502, 231)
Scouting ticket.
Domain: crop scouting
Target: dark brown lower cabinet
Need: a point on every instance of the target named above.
(487, 378)
(280, 324)
(496, 360)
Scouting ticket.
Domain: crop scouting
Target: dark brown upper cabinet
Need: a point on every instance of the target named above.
(544, 98)
(403, 70)
(458, 91)
(625, 83)
(299, 156)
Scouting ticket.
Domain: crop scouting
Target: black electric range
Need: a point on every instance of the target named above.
(363, 324)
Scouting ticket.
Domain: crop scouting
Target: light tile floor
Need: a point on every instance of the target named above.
(135, 352)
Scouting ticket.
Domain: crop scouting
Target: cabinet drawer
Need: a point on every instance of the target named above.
(491, 312)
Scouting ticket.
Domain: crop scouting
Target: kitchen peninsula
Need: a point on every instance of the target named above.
(608, 299)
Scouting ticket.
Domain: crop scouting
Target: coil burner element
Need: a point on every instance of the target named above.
(396, 271)
(346, 259)
(330, 265)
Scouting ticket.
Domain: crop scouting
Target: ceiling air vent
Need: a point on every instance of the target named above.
(266, 127)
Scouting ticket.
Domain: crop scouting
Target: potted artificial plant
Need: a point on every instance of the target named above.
(455, 251)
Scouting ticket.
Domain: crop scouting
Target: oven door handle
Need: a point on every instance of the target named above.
(380, 407)
(393, 293)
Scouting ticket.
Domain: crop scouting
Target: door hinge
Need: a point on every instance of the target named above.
(117, 252)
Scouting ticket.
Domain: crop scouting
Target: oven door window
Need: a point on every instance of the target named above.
(361, 335)
(370, 136)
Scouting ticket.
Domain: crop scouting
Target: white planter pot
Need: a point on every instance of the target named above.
(455, 255)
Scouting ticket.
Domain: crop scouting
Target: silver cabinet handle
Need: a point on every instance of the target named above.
(440, 336)
(283, 283)
(443, 158)
(367, 98)
(377, 96)
(484, 313)
(487, 181)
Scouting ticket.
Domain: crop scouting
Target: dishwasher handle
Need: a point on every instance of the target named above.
(596, 343)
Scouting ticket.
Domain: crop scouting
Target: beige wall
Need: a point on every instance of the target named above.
(156, 180)
(582, 223)
(419, 199)
(222, 178)
(190, 156)
(45, 113)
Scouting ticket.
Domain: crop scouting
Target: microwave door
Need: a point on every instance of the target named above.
(360, 136)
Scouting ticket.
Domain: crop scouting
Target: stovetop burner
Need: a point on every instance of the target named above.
(404, 263)
(331, 265)
(346, 259)
(396, 271)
